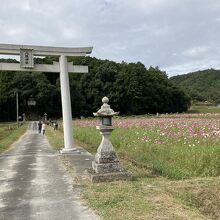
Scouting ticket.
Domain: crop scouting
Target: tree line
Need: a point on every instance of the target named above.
(131, 87)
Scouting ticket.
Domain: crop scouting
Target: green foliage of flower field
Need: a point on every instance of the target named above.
(175, 147)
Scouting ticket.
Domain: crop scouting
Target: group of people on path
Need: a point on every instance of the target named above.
(41, 127)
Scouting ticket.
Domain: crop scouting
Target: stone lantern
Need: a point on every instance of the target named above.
(45, 116)
(106, 166)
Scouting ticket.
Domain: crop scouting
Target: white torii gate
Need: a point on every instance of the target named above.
(27, 53)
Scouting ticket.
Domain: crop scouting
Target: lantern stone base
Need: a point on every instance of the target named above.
(107, 167)
(108, 177)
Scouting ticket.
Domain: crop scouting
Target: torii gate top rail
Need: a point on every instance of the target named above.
(13, 49)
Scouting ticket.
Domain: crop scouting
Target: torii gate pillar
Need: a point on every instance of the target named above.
(27, 53)
(66, 106)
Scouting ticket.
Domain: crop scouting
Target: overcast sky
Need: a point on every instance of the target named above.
(178, 36)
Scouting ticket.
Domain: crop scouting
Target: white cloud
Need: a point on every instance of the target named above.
(196, 51)
(192, 66)
(174, 35)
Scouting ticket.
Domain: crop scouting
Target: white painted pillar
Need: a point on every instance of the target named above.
(66, 106)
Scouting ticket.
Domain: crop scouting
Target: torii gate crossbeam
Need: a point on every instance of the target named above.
(27, 52)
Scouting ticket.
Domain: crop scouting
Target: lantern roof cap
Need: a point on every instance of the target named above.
(105, 109)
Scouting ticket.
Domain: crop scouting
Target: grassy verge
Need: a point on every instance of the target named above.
(202, 194)
(156, 198)
(9, 133)
(55, 138)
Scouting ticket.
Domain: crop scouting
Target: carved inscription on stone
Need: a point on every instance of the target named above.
(26, 58)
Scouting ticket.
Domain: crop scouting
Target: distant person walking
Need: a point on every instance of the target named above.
(43, 128)
(39, 127)
(55, 125)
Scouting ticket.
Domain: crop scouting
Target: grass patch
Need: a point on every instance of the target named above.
(89, 136)
(9, 133)
(202, 194)
(118, 200)
(155, 198)
(203, 109)
(55, 137)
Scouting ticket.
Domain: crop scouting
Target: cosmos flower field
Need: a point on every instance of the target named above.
(177, 146)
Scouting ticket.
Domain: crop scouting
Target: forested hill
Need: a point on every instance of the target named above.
(131, 87)
(201, 85)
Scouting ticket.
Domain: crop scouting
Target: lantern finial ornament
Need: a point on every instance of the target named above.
(105, 100)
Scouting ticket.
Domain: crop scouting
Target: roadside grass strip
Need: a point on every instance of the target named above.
(9, 133)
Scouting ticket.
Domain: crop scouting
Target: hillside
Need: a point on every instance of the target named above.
(201, 85)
